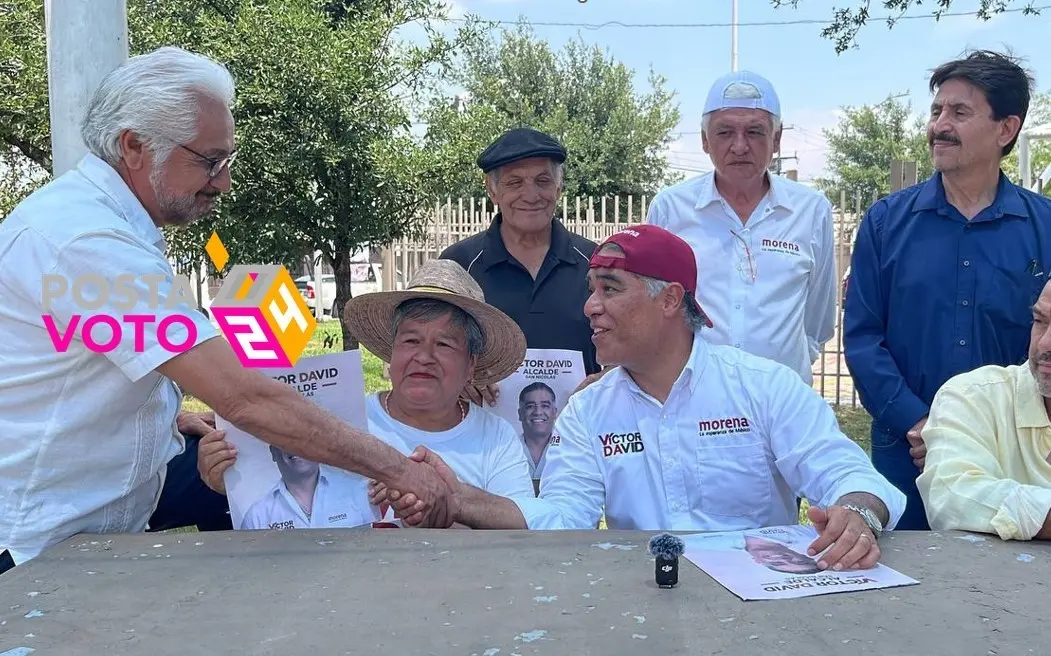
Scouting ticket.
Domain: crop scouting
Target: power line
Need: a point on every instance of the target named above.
(801, 21)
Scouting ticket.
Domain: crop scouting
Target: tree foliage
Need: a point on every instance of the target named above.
(867, 138)
(615, 136)
(846, 23)
(1039, 150)
(863, 144)
(25, 135)
(326, 161)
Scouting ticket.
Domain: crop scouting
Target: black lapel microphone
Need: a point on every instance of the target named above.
(666, 548)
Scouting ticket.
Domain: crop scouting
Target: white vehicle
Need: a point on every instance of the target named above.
(365, 278)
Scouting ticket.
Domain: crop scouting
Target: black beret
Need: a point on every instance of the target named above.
(517, 144)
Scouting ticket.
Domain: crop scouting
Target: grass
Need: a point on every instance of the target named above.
(854, 422)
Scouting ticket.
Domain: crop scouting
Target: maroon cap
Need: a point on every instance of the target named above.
(653, 252)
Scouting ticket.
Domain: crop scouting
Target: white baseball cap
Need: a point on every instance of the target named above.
(745, 90)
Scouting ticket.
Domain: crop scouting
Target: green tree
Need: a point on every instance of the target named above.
(25, 136)
(863, 144)
(616, 137)
(867, 138)
(846, 23)
(326, 161)
(1039, 150)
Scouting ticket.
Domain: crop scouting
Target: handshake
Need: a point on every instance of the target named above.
(426, 493)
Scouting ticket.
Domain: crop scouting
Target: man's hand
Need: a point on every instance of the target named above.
(214, 456)
(196, 424)
(378, 497)
(853, 544)
(404, 505)
(423, 494)
(919, 449)
(481, 395)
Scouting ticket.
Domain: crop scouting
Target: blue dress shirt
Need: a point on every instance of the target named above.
(932, 295)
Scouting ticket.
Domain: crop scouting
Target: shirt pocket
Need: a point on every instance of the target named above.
(1021, 289)
(734, 477)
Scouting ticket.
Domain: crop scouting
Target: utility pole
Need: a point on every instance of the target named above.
(775, 165)
(733, 37)
(85, 41)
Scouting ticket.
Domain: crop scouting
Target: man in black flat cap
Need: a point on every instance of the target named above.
(527, 263)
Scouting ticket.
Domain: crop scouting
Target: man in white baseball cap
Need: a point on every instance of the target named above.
(764, 244)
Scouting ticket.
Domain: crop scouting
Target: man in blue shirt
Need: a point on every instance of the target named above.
(944, 272)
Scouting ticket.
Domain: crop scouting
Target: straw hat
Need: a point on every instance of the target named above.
(370, 318)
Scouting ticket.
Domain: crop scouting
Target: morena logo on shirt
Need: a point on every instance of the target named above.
(779, 246)
(615, 444)
(724, 426)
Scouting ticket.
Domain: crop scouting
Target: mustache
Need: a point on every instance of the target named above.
(1044, 357)
(944, 137)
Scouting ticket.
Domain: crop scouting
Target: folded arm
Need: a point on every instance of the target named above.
(963, 485)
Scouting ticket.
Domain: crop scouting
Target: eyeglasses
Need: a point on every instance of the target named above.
(217, 164)
(746, 264)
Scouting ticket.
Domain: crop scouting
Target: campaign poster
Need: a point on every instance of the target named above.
(772, 563)
(270, 489)
(532, 397)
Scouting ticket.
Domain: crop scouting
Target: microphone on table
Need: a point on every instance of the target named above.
(666, 548)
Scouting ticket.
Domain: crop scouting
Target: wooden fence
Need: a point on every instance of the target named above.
(596, 219)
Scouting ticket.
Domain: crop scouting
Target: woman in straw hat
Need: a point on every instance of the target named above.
(438, 335)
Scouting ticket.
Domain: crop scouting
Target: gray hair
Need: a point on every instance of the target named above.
(426, 310)
(695, 319)
(737, 91)
(155, 95)
(556, 170)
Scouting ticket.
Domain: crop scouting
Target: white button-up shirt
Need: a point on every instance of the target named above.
(768, 284)
(339, 501)
(84, 437)
(535, 468)
(738, 439)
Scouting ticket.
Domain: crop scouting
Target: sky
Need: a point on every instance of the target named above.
(811, 80)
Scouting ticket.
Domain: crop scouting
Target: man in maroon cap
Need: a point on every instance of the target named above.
(683, 435)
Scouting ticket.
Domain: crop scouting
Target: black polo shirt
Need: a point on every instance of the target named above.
(550, 309)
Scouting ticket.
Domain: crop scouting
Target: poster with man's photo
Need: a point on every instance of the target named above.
(532, 397)
(772, 563)
(270, 489)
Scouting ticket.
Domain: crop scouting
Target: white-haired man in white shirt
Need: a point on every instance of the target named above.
(682, 435)
(764, 244)
(85, 436)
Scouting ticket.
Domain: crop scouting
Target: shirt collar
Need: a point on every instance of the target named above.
(1030, 411)
(690, 375)
(695, 365)
(778, 195)
(495, 251)
(106, 178)
(1007, 201)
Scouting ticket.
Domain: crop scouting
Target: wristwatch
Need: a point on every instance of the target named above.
(873, 522)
